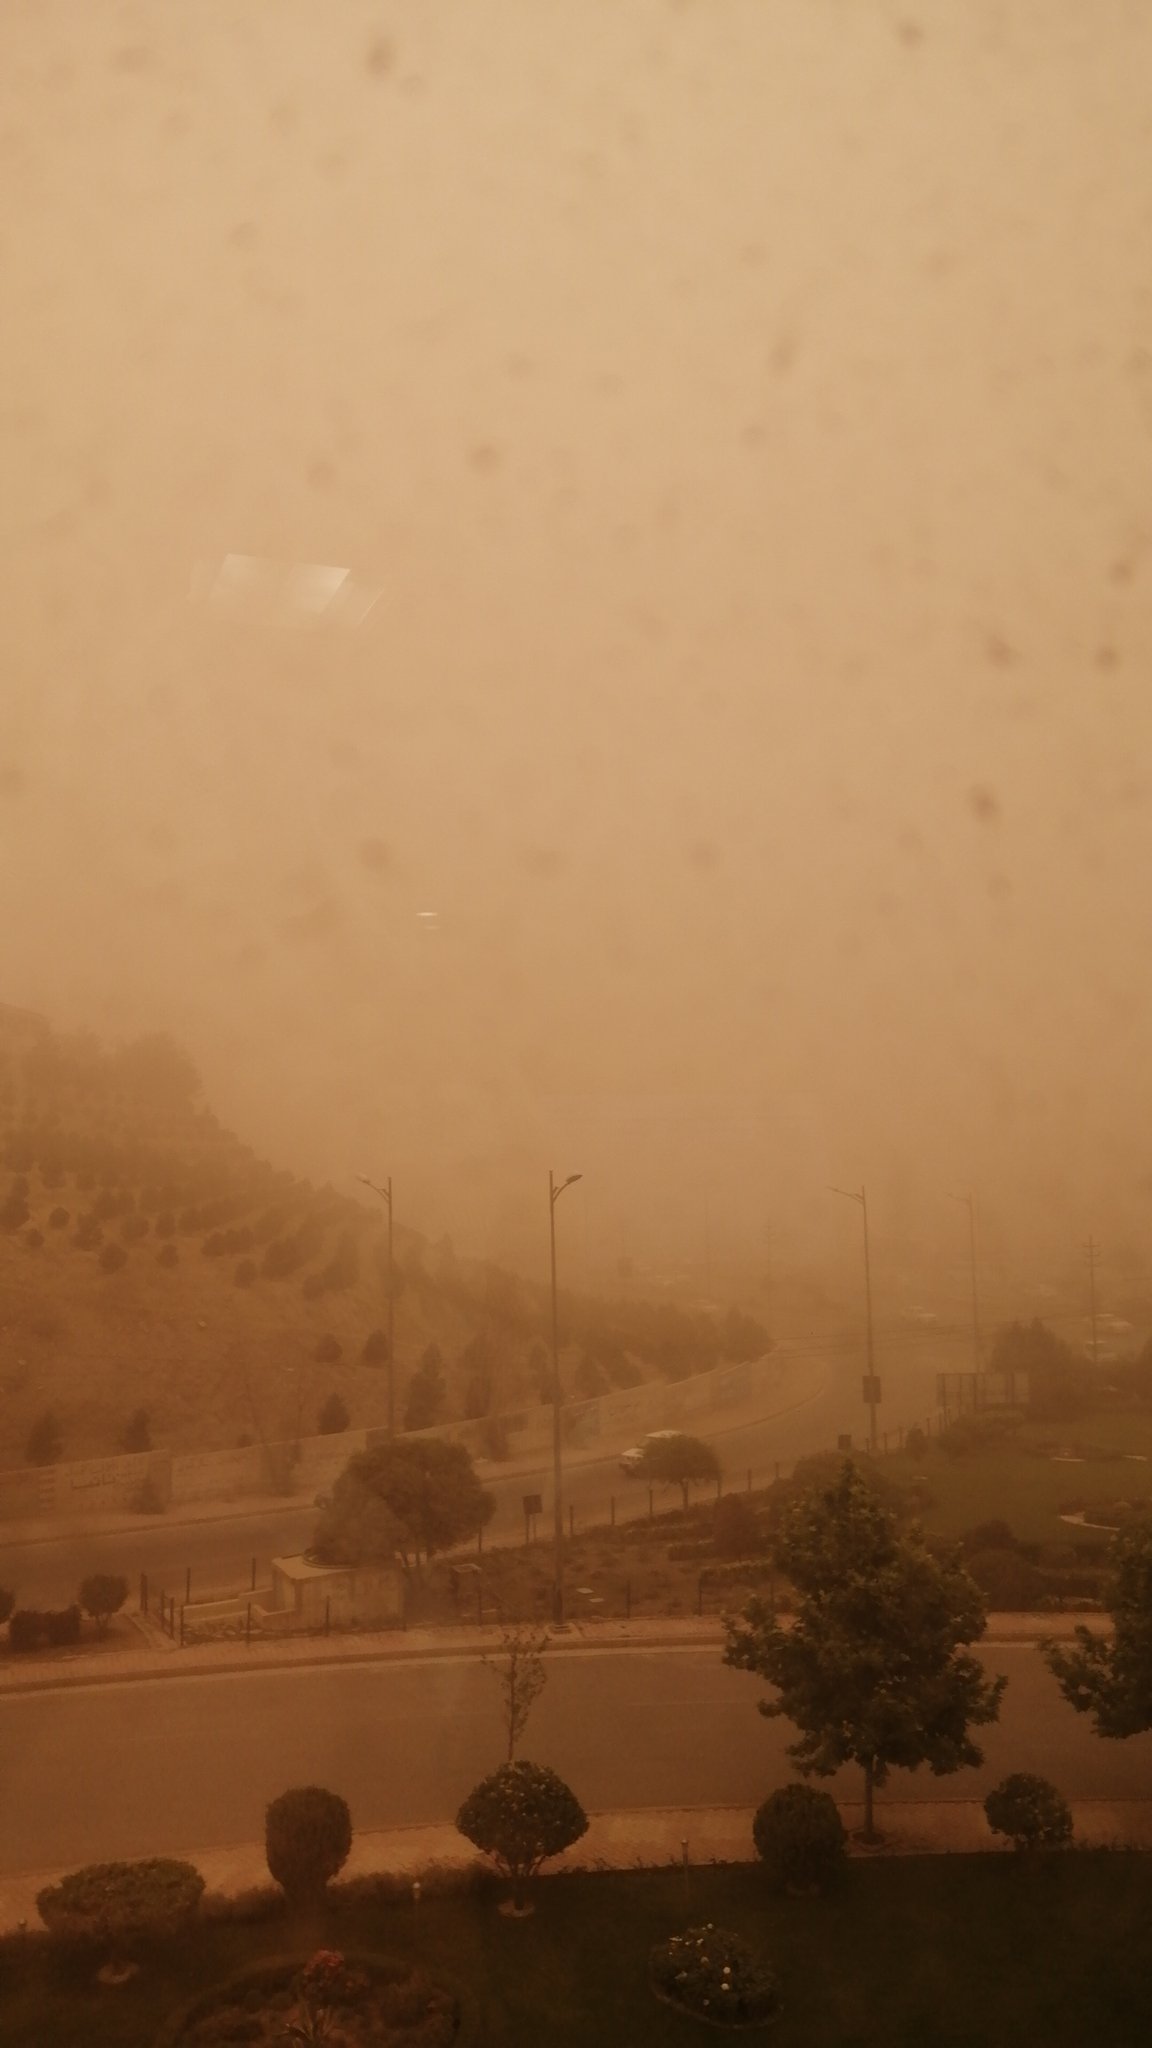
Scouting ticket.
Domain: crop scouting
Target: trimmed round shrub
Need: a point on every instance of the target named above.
(520, 1816)
(716, 1975)
(102, 1595)
(800, 1838)
(307, 1837)
(113, 1258)
(112, 1904)
(1030, 1811)
(59, 1219)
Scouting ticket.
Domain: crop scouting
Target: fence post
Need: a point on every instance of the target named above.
(248, 1624)
(181, 1624)
(253, 1574)
(479, 1601)
(627, 1599)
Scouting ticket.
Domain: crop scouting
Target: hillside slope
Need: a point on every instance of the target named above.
(149, 1260)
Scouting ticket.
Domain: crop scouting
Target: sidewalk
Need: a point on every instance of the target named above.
(649, 1839)
(156, 1656)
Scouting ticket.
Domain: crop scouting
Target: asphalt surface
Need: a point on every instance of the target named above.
(123, 1769)
(45, 1568)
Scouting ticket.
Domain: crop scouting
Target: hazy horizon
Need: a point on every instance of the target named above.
(724, 770)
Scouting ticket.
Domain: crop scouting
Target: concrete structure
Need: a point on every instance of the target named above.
(313, 1594)
(310, 1464)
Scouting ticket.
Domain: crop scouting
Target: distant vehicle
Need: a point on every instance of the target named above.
(631, 1461)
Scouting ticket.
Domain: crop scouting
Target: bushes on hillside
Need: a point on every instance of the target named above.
(1009, 1583)
(426, 1391)
(307, 1837)
(735, 1527)
(716, 1976)
(59, 1219)
(30, 1628)
(113, 1258)
(375, 1351)
(800, 1838)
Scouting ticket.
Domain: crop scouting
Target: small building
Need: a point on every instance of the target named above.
(371, 1595)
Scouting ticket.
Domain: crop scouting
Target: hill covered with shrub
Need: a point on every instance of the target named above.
(160, 1284)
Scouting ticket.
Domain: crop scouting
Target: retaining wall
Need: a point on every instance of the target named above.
(613, 1420)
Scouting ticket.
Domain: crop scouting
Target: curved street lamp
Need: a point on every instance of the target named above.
(554, 1193)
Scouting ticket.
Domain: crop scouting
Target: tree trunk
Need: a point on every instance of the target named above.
(869, 1829)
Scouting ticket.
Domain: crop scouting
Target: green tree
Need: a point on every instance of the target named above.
(429, 1491)
(102, 1595)
(1112, 1680)
(871, 1671)
(520, 1816)
(679, 1461)
(1059, 1384)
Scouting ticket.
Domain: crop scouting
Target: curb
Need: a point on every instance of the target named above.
(412, 1650)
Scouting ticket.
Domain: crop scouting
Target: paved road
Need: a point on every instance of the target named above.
(220, 1552)
(146, 1768)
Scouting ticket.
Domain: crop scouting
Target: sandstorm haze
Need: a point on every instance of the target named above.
(734, 420)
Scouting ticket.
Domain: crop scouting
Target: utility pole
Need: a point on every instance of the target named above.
(385, 1194)
(871, 1383)
(969, 1204)
(1091, 1253)
(554, 1194)
(768, 1299)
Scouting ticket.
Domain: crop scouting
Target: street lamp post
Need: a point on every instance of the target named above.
(967, 1203)
(871, 1384)
(385, 1194)
(554, 1194)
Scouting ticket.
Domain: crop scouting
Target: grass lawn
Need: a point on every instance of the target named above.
(940, 1952)
(1020, 1482)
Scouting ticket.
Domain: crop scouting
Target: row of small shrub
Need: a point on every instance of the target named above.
(32, 1629)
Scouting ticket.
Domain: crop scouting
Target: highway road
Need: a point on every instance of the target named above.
(47, 1572)
(145, 1768)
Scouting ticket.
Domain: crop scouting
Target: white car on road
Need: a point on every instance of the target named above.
(631, 1461)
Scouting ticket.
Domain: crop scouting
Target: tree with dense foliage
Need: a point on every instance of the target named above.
(678, 1461)
(1112, 1679)
(430, 1496)
(736, 1527)
(307, 1839)
(427, 1391)
(1059, 1383)
(871, 1670)
(1030, 1811)
(102, 1595)
(520, 1816)
(333, 1417)
(519, 1669)
(114, 1904)
(800, 1838)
